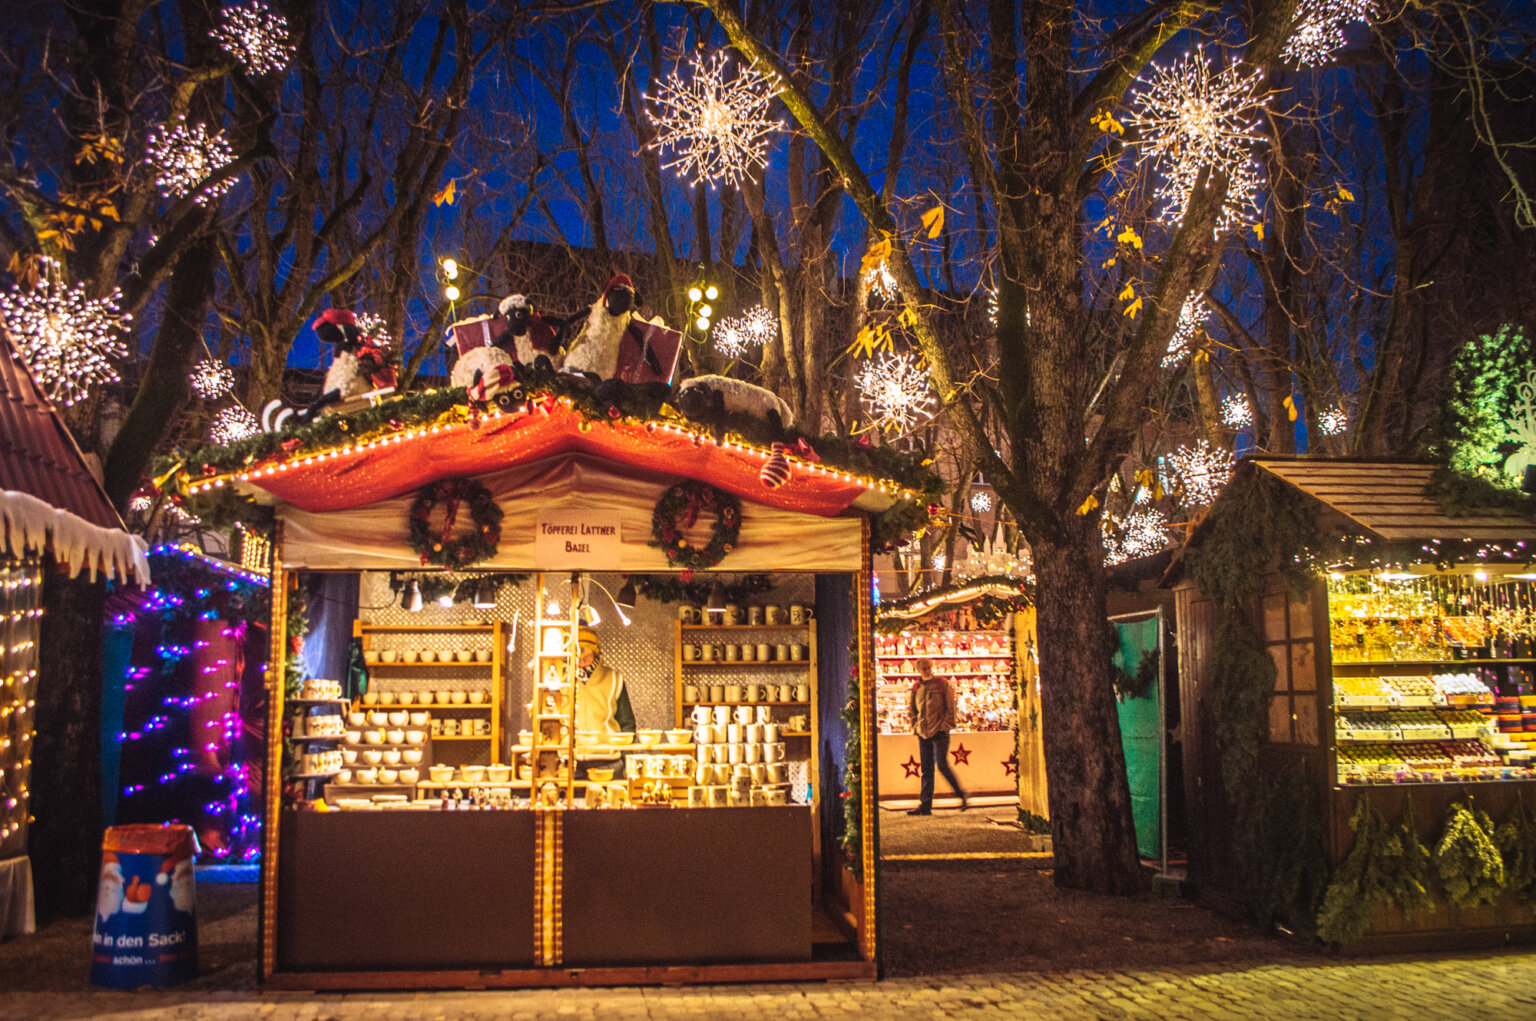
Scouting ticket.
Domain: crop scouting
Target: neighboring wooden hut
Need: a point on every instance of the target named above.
(1343, 639)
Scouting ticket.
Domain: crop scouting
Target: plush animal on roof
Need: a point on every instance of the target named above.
(529, 335)
(595, 351)
(360, 363)
(709, 399)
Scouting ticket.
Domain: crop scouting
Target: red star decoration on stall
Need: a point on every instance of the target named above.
(1011, 765)
(912, 766)
(962, 755)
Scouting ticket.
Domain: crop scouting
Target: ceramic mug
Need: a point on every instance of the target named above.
(733, 732)
(777, 772)
(688, 614)
(707, 653)
(754, 615)
(752, 752)
(802, 693)
(690, 693)
(773, 752)
(734, 614)
(773, 615)
(733, 693)
(749, 692)
(764, 652)
(797, 613)
(718, 797)
(781, 653)
(717, 694)
(800, 721)
(733, 653)
(748, 653)
(701, 714)
(735, 754)
(691, 653)
(797, 653)
(697, 797)
(763, 715)
(722, 712)
(759, 772)
(743, 714)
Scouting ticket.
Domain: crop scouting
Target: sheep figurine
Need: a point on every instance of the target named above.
(529, 335)
(709, 399)
(595, 351)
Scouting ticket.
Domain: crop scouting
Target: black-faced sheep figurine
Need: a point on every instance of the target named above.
(709, 399)
(595, 351)
(529, 335)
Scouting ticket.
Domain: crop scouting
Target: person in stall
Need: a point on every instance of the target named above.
(602, 700)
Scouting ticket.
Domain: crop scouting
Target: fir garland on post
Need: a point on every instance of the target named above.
(851, 840)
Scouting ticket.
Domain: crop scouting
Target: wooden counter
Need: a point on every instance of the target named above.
(424, 890)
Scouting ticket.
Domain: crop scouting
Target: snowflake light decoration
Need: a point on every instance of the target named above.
(256, 36)
(1177, 189)
(719, 128)
(1319, 30)
(881, 282)
(981, 501)
(1191, 120)
(185, 157)
(1333, 421)
(67, 339)
(1192, 319)
(1142, 533)
(895, 390)
(755, 327)
(938, 561)
(232, 424)
(1236, 412)
(211, 379)
(1199, 472)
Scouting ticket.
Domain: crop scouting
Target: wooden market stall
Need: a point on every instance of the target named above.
(672, 850)
(979, 635)
(1403, 650)
(55, 521)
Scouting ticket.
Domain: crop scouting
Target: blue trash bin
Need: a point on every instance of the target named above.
(146, 908)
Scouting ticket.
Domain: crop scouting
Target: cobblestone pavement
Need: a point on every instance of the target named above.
(1490, 986)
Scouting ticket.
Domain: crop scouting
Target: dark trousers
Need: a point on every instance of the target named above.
(933, 751)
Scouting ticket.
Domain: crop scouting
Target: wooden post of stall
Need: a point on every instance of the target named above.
(1026, 663)
(277, 667)
(868, 763)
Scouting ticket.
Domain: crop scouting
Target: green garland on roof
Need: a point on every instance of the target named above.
(988, 609)
(409, 410)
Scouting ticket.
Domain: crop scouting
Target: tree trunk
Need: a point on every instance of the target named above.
(1091, 827)
(64, 841)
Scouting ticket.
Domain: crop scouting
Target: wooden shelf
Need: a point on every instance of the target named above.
(1429, 663)
(802, 663)
(685, 702)
(746, 627)
(422, 663)
(956, 655)
(314, 701)
(315, 737)
(459, 737)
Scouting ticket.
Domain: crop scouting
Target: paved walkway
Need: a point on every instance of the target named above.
(1485, 987)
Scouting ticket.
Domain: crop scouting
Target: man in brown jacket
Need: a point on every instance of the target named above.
(933, 717)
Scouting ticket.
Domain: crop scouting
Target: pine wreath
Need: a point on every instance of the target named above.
(676, 512)
(442, 548)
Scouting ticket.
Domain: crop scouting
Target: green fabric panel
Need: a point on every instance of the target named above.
(1141, 734)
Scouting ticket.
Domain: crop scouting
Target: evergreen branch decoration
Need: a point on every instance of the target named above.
(1467, 861)
(1516, 841)
(1356, 884)
(851, 840)
(1406, 866)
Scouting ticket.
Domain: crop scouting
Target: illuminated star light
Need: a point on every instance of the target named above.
(256, 36)
(755, 327)
(895, 390)
(1199, 472)
(1191, 120)
(882, 283)
(981, 501)
(67, 339)
(232, 424)
(718, 128)
(1236, 412)
(1142, 533)
(185, 157)
(1333, 421)
(938, 561)
(1192, 319)
(1319, 31)
(211, 379)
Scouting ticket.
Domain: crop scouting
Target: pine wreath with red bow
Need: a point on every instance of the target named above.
(441, 547)
(679, 509)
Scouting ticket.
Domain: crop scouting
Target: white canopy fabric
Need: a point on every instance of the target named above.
(29, 523)
(376, 537)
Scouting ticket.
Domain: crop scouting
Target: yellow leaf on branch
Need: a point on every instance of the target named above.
(1129, 237)
(1290, 408)
(1126, 293)
(1088, 505)
(447, 194)
(933, 221)
(1132, 308)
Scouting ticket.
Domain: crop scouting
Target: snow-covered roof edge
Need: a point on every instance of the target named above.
(32, 523)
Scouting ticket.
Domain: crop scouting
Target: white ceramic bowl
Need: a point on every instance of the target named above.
(476, 697)
(458, 697)
(396, 736)
(472, 774)
(410, 775)
(406, 697)
(679, 737)
(386, 698)
(441, 774)
(411, 755)
(389, 775)
(372, 756)
(378, 719)
(623, 737)
(370, 698)
(462, 655)
(370, 658)
(355, 736)
(399, 719)
(349, 755)
(650, 737)
(415, 736)
(374, 737)
(499, 774)
(357, 719)
(344, 776)
(409, 656)
(392, 756)
(525, 737)
(367, 776)
(428, 656)
(420, 719)
(388, 656)
(482, 655)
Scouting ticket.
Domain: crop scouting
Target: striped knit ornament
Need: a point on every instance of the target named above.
(776, 469)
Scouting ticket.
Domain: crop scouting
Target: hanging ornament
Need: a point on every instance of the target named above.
(232, 424)
(755, 327)
(1199, 472)
(1319, 30)
(895, 390)
(66, 339)
(1333, 421)
(254, 35)
(776, 469)
(1192, 319)
(719, 128)
(211, 379)
(1236, 412)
